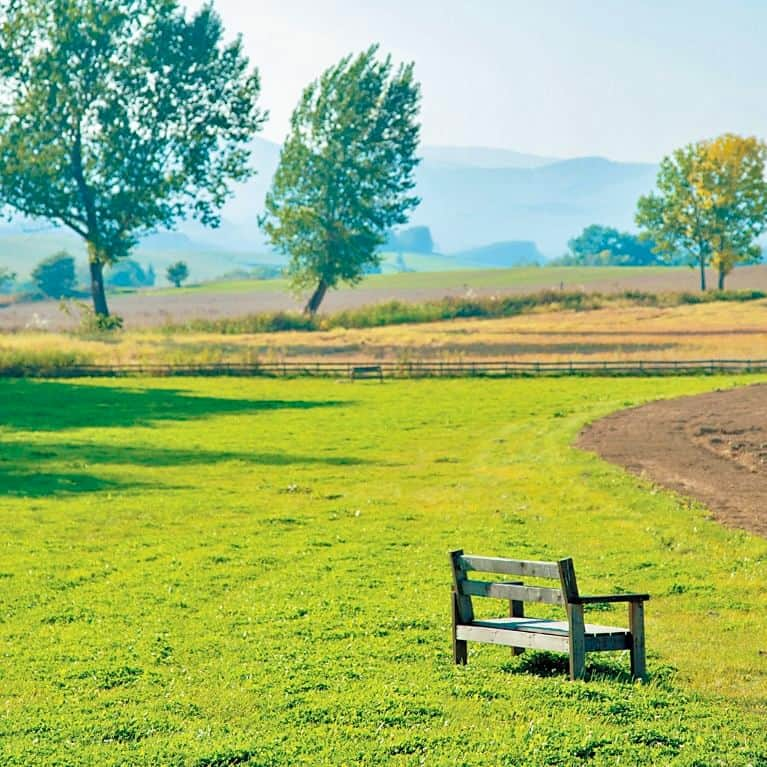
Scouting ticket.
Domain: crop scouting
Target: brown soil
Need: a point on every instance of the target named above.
(712, 447)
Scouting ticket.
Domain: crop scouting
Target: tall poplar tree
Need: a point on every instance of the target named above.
(346, 172)
(120, 117)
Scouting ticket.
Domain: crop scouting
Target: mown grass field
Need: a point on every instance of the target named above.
(720, 330)
(220, 572)
(535, 278)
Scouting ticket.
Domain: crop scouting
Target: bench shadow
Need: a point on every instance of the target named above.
(545, 665)
(27, 405)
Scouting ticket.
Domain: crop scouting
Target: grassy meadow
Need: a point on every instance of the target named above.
(717, 330)
(529, 278)
(210, 573)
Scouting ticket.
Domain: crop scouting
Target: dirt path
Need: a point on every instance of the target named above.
(712, 447)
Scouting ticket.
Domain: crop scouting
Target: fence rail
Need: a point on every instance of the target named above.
(395, 369)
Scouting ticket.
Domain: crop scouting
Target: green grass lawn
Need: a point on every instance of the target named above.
(534, 278)
(210, 573)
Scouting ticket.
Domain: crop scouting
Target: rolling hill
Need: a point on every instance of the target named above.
(470, 197)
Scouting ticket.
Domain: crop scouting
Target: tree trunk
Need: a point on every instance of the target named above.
(316, 299)
(722, 275)
(97, 289)
(702, 262)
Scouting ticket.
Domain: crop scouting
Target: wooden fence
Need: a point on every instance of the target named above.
(394, 369)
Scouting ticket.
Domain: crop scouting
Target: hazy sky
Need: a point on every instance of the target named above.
(626, 79)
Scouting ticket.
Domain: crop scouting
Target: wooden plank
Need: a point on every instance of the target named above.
(510, 591)
(517, 610)
(460, 647)
(568, 580)
(577, 641)
(591, 600)
(465, 607)
(510, 567)
(636, 626)
(544, 626)
(604, 642)
(509, 638)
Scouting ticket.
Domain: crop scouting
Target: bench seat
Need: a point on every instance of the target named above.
(540, 634)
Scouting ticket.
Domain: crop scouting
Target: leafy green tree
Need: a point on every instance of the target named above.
(130, 274)
(346, 172)
(55, 276)
(711, 203)
(6, 277)
(119, 117)
(606, 246)
(177, 273)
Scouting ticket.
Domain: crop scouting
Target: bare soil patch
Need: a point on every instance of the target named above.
(712, 447)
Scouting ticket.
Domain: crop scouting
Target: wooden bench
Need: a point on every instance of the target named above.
(573, 636)
(361, 372)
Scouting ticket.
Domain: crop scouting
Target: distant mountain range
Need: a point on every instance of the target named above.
(470, 197)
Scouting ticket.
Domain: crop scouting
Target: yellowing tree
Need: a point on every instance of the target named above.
(711, 203)
(735, 191)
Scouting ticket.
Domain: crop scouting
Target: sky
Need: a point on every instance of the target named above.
(626, 79)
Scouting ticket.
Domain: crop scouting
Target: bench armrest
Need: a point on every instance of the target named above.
(590, 600)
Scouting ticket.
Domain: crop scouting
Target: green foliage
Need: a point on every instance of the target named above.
(605, 246)
(403, 312)
(152, 613)
(710, 203)
(88, 321)
(130, 274)
(7, 278)
(346, 172)
(120, 117)
(177, 273)
(55, 276)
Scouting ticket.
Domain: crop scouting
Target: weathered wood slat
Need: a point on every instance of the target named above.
(509, 638)
(592, 600)
(605, 642)
(568, 580)
(510, 591)
(463, 602)
(548, 570)
(636, 626)
(543, 626)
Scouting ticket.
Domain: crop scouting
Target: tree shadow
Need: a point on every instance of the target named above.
(53, 406)
(39, 469)
(20, 483)
(85, 454)
(546, 664)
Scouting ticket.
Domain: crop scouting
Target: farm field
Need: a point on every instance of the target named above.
(731, 330)
(213, 300)
(221, 572)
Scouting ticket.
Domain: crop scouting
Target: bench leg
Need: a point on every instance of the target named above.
(577, 642)
(460, 646)
(516, 610)
(636, 626)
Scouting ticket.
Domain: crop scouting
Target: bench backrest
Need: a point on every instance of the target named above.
(563, 572)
